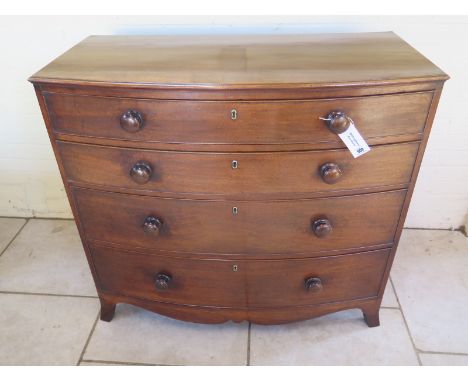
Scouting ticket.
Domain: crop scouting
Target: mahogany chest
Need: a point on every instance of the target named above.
(207, 174)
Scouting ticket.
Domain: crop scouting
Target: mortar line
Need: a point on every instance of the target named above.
(34, 217)
(123, 363)
(460, 229)
(88, 339)
(442, 352)
(14, 237)
(46, 294)
(406, 324)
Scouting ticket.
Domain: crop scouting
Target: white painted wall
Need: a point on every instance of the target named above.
(30, 183)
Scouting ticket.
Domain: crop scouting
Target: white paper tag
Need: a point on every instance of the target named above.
(354, 141)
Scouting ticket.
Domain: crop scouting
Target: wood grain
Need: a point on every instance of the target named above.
(260, 175)
(240, 61)
(296, 247)
(263, 316)
(274, 227)
(209, 122)
(246, 94)
(254, 284)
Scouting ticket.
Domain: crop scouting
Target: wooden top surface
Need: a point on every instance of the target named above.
(226, 61)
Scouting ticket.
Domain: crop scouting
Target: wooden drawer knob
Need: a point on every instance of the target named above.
(330, 172)
(153, 225)
(322, 227)
(141, 172)
(337, 121)
(131, 121)
(162, 281)
(313, 284)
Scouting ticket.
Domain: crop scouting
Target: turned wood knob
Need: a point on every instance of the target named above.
(152, 225)
(141, 172)
(131, 121)
(313, 284)
(162, 281)
(330, 172)
(337, 121)
(322, 227)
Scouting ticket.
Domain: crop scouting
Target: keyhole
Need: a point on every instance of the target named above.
(234, 210)
(233, 114)
(234, 164)
(235, 268)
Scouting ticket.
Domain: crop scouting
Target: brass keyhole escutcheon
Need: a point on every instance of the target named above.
(233, 114)
(235, 210)
(234, 164)
(235, 268)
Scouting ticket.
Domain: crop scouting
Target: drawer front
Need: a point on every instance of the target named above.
(272, 227)
(242, 283)
(168, 279)
(233, 122)
(313, 281)
(238, 173)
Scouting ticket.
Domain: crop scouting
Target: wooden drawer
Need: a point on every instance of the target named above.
(314, 281)
(259, 227)
(256, 173)
(240, 283)
(257, 122)
(195, 282)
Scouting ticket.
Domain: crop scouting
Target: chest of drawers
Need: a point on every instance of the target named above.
(208, 180)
